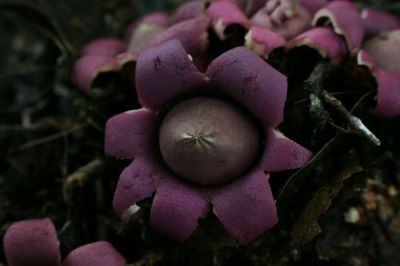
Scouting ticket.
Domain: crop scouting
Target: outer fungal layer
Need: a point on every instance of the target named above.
(35, 243)
(345, 21)
(224, 14)
(192, 33)
(324, 41)
(388, 98)
(245, 205)
(95, 254)
(32, 242)
(376, 22)
(187, 10)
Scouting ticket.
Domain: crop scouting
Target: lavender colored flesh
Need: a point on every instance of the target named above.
(95, 254)
(288, 27)
(263, 41)
(104, 46)
(187, 10)
(165, 72)
(33, 243)
(282, 153)
(88, 67)
(324, 41)
(246, 207)
(384, 49)
(130, 133)
(388, 102)
(388, 84)
(192, 33)
(224, 14)
(246, 77)
(313, 5)
(376, 21)
(159, 19)
(176, 208)
(345, 21)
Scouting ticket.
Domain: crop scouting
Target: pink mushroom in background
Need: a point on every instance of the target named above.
(376, 22)
(94, 254)
(212, 88)
(111, 55)
(35, 243)
(224, 14)
(32, 242)
(342, 31)
(285, 17)
(384, 50)
(187, 10)
(380, 56)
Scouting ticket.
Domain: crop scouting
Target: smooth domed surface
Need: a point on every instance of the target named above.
(208, 141)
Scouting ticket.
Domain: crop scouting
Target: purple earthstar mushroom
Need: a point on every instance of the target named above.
(141, 31)
(283, 17)
(34, 243)
(111, 55)
(203, 140)
(252, 6)
(376, 22)
(380, 56)
(95, 254)
(159, 19)
(313, 5)
(191, 32)
(345, 20)
(98, 56)
(324, 40)
(249, 7)
(384, 49)
(346, 27)
(263, 41)
(224, 14)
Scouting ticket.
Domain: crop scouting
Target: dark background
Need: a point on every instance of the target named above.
(49, 131)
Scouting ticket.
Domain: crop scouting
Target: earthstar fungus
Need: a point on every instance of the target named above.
(201, 140)
(34, 243)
